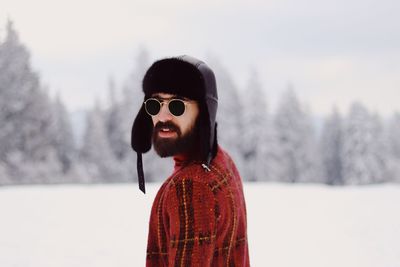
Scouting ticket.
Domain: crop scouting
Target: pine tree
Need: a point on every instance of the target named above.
(268, 163)
(4, 180)
(394, 147)
(378, 160)
(132, 94)
(64, 138)
(116, 130)
(364, 153)
(27, 133)
(331, 146)
(96, 152)
(297, 156)
(256, 130)
(17, 81)
(230, 113)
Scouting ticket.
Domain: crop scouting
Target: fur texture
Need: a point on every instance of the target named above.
(174, 76)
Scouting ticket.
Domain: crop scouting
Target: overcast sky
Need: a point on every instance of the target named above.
(332, 52)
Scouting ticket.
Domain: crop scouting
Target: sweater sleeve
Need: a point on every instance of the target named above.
(191, 211)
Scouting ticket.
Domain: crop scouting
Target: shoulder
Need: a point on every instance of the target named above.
(189, 189)
(221, 170)
(195, 172)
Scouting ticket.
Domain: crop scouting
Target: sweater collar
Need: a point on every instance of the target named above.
(181, 161)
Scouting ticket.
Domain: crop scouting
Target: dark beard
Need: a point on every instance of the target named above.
(182, 144)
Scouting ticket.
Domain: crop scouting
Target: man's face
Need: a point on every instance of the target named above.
(174, 135)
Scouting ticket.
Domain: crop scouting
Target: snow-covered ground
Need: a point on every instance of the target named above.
(288, 225)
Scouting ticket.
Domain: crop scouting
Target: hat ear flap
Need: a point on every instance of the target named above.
(142, 131)
(204, 132)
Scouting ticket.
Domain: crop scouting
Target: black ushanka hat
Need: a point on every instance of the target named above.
(187, 77)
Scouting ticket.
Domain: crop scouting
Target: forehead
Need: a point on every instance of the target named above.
(163, 95)
(168, 96)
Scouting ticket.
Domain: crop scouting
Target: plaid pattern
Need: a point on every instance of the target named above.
(198, 218)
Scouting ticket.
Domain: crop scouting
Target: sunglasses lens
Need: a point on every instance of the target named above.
(152, 107)
(176, 107)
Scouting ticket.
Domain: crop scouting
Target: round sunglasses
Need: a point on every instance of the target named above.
(175, 106)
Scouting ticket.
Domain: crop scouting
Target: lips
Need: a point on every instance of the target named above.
(166, 132)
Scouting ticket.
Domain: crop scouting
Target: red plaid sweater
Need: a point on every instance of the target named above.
(198, 217)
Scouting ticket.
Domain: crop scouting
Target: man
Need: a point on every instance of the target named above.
(198, 217)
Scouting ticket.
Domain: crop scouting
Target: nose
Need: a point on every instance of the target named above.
(164, 114)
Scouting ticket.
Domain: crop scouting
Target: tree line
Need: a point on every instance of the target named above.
(38, 145)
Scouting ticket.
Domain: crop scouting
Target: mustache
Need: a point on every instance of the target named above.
(169, 125)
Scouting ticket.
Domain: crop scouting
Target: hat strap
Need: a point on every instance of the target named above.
(140, 172)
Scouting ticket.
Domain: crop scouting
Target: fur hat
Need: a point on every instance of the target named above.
(187, 77)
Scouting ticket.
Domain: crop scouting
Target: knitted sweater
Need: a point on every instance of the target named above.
(198, 217)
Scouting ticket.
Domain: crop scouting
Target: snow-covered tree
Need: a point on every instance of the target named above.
(364, 153)
(331, 146)
(379, 150)
(229, 114)
(17, 81)
(394, 147)
(116, 130)
(132, 94)
(64, 138)
(258, 142)
(3, 174)
(96, 152)
(118, 123)
(26, 131)
(298, 159)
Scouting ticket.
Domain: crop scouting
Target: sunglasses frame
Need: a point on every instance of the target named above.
(166, 101)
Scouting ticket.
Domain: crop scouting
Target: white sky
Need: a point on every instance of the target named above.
(333, 52)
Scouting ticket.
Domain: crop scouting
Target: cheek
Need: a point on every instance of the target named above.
(154, 120)
(187, 123)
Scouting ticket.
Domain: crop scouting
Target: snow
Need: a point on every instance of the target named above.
(288, 225)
